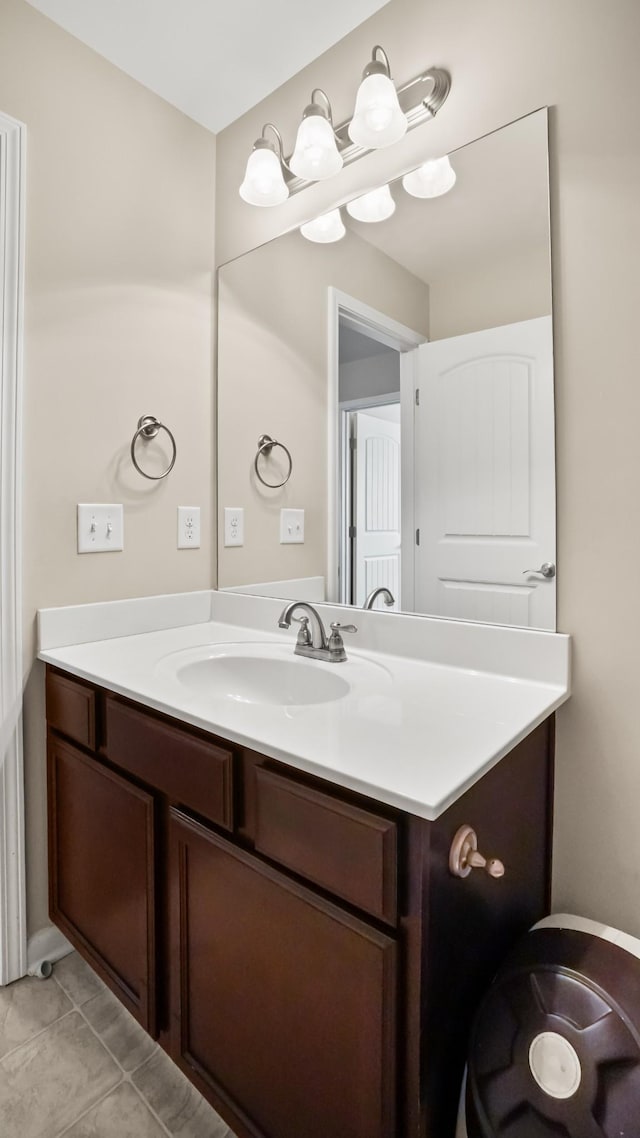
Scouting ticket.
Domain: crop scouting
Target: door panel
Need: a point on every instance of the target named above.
(376, 489)
(101, 859)
(484, 482)
(282, 1001)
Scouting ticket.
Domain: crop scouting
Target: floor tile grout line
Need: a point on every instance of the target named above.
(88, 1109)
(26, 1042)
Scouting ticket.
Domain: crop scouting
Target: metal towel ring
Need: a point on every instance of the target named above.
(265, 446)
(148, 427)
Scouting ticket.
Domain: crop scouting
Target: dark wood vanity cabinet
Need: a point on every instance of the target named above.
(303, 953)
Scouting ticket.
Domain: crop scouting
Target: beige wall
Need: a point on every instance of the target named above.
(501, 292)
(120, 190)
(272, 378)
(505, 60)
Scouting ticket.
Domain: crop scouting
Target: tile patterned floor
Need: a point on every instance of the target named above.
(73, 1062)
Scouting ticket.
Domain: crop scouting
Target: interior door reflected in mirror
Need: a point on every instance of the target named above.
(408, 369)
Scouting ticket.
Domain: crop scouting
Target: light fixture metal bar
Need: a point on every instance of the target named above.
(420, 100)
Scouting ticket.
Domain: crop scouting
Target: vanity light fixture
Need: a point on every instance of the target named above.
(324, 229)
(316, 155)
(377, 205)
(382, 115)
(264, 182)
(430, 180)
(378, 119)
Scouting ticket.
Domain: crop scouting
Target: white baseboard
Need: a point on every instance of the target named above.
(47, 944)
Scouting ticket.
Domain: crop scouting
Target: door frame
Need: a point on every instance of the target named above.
(13, 923)
(361, 318)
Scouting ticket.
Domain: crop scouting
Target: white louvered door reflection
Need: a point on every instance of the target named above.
(484, 479)
(376, 489)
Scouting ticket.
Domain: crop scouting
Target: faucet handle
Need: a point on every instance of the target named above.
(337, 627)
(304, 636)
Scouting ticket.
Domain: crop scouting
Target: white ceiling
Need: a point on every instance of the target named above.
(213, 59)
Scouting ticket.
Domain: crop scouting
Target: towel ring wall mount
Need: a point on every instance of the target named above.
(265, 446)
(148, 428)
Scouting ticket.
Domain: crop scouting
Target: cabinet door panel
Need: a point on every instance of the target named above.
(283, 1004)
(101, 857)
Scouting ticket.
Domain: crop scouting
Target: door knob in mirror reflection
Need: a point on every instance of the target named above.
(464, 856)
(547, 569)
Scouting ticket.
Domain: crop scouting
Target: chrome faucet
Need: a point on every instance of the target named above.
(313, 641)
(382, 590)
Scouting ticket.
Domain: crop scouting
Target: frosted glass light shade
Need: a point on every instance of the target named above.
(324, 229)
(377, 119)
(377, 205)
(264, 182)
(431, 179)
(316, 155)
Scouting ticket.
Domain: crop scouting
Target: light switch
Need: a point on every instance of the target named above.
(233, 525)
(291, 527)
(100, 527)
(188, 527)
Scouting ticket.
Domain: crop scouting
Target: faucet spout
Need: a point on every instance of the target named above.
(381, 591)
(317, 632)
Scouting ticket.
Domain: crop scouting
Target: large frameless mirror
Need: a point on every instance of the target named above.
(385, 397)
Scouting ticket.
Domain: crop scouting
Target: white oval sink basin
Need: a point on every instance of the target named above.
(256, 679)
(269, 674)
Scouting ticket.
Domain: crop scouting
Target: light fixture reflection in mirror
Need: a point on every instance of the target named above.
(430, 180)
(331, 344)
(377, 205)
(325, 229)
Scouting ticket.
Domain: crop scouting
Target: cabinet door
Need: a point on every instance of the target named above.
(101, 858)
(283, 1005)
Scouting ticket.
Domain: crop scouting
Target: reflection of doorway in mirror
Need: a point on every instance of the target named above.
(374, 504)
(372, 470)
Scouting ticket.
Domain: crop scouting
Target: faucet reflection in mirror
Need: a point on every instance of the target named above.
(381, 117)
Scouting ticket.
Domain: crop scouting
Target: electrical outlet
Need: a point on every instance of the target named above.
(188, 527)
(233, 525)
(100, 527)
(291, 527)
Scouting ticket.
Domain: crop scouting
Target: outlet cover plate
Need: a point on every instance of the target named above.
(233, 525)
(291, 527)
(100, 527)
(188, 527)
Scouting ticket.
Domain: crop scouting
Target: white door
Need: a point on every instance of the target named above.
(376, 506)
(485, 482)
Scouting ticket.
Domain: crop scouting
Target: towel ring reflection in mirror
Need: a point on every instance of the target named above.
(265, 446)
(148, 427)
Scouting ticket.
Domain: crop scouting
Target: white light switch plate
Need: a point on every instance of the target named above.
(233, 525)
(100, 527)
(291, 527)
(188, 527)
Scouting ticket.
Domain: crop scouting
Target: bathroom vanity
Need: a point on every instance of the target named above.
(297, 942)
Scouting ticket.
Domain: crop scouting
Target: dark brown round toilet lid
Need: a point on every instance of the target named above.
(555, 1049)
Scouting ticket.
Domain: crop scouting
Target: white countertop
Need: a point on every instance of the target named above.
(415, 732)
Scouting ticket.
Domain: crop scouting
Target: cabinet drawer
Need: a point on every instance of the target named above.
(346, 850)
(190, 770)
(71, 708)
